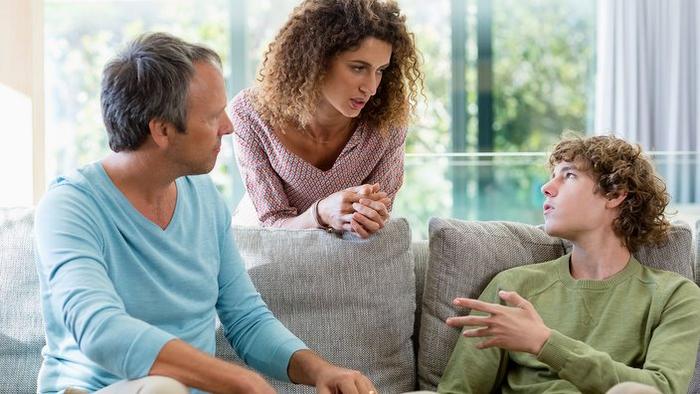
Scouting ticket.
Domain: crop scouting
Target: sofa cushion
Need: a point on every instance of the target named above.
(348, 299)
(465, 256)
(21, 329)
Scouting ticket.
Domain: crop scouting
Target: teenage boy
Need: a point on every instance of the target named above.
(596, 317)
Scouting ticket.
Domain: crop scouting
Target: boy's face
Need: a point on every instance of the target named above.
(572, 209)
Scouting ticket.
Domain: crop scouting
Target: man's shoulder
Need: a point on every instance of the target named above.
(201, 190)
(200, 181)
(79, 186)
(202, 186)
(81, 177)
(72, 203)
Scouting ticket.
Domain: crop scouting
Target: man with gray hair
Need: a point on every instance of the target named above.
(136, 255)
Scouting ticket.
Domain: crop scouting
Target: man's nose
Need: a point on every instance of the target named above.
(226, 126)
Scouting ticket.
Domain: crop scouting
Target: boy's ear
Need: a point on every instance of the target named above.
(159, 131)
(615, 202)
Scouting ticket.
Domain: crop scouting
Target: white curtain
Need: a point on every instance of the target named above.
(648, 83)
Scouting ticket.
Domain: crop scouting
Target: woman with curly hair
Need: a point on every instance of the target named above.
(320, 140)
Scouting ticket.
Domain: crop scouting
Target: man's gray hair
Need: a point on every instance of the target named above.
(149, 79)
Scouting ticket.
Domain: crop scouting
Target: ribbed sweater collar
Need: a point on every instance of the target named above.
(633, 267)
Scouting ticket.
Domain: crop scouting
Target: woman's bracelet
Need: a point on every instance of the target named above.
(317, 217)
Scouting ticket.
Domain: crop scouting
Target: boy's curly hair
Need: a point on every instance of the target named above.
(318, 30)
(620, 167)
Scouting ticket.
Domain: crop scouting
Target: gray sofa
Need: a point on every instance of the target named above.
(377, 305)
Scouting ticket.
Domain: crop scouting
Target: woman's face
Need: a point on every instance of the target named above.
(353, 77)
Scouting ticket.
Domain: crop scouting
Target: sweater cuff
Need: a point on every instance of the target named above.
(285, 351)
(557, 350)
(143, 352)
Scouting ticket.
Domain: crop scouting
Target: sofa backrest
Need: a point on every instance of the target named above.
(374, 278)
(466, 255)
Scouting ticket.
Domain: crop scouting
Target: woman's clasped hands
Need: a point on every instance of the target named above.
(362, 210)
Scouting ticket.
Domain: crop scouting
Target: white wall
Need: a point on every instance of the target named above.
(21, 102)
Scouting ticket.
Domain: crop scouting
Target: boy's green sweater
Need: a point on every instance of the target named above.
(640, 325)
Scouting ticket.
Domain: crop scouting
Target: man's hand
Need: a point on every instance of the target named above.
(306, 367)
(340, 380)
(516, 327)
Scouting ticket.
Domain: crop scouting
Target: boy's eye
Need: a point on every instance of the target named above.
(570, 175)
(357, 68)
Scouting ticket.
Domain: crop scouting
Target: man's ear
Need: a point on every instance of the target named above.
(159, 131)
(615, 202)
